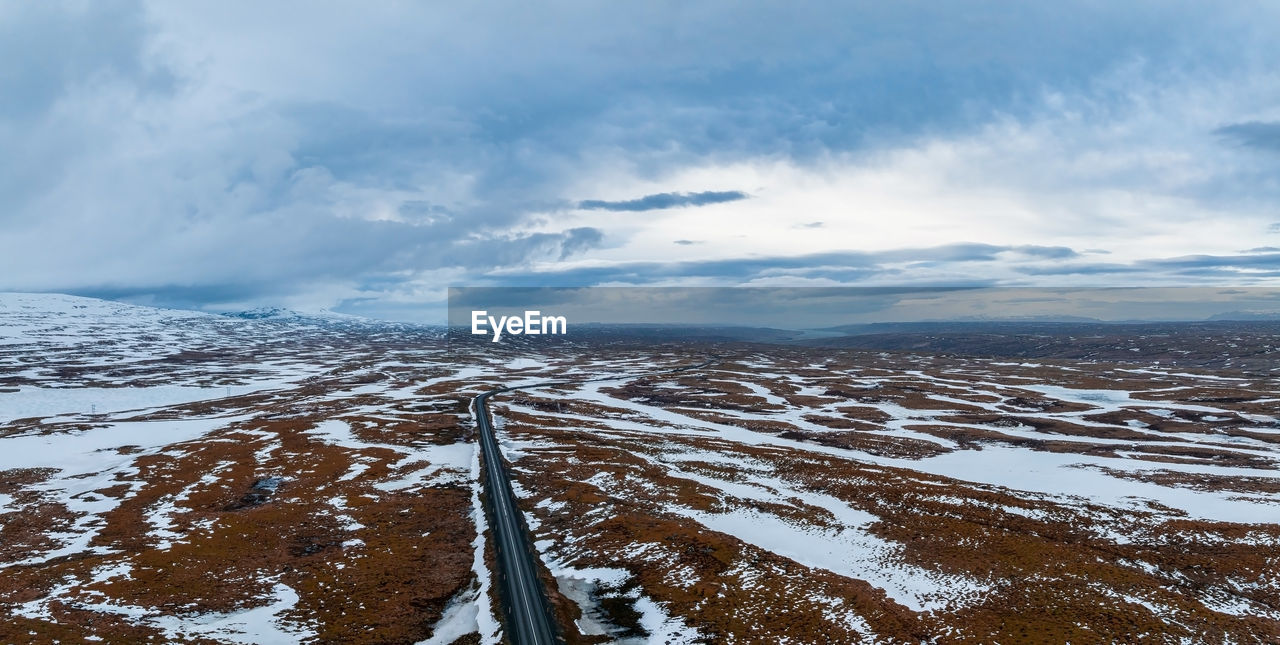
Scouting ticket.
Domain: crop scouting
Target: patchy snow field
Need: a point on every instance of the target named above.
(796, 494)
(172, 476)
(169, 476)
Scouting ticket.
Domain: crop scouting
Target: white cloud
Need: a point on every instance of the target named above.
(319, 153)
(1132, 167)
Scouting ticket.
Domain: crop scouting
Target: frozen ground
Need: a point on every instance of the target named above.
(177, 476)
(970, 499)
(170, 476)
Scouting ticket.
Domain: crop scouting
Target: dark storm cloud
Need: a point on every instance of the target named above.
(665, 200)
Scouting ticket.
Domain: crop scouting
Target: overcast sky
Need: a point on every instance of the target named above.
(365, 156)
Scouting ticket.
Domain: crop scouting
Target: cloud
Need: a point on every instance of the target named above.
(1249, 266)
(203, 153)
(48, 51)
(661, 201)
(843, 266)
(1083, 269)
(1216, 264)
(1256, 134)
(577, 240)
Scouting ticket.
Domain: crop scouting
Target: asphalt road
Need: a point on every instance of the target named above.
(525, 608)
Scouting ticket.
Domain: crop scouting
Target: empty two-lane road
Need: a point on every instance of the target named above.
(527, 612)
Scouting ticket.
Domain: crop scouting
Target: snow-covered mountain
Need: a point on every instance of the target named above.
(321, 317)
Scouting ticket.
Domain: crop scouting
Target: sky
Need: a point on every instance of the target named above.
(363, 157)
